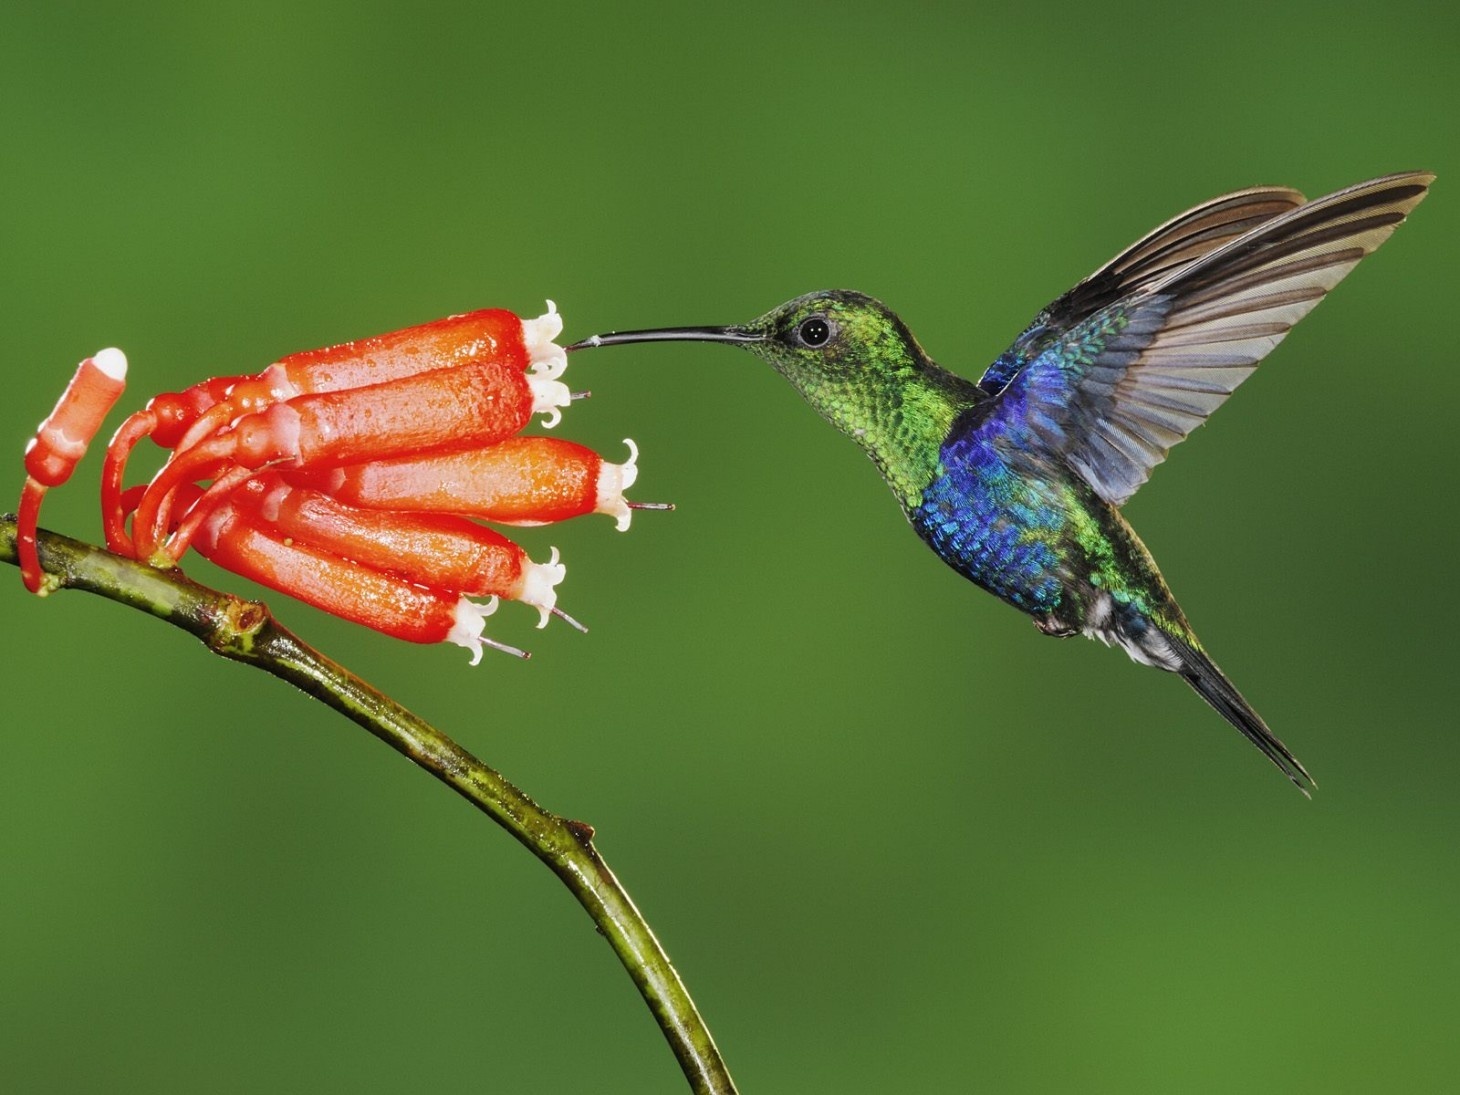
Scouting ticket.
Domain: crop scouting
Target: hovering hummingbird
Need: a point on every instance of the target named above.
(1016, 481)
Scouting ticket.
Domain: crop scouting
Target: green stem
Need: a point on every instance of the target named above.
(244, 631)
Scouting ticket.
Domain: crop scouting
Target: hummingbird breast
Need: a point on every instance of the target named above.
(1019, 523)
(1000, 527)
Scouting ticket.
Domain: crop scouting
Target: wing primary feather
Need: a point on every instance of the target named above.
(1200, 330)
(1119, 370)
(1199, 229)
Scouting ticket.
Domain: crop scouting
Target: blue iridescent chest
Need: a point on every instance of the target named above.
(999, 527)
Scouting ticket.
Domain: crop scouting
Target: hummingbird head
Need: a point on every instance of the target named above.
(845, 352)
(858, 366)
(832, 345)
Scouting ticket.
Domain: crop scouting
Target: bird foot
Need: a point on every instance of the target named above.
(1050, 625)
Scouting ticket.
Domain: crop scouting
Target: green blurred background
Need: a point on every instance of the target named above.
(893, 839)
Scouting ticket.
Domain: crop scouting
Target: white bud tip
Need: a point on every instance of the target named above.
(466, 630)
(545, 357)
(613, 480)
(539, 582)
(111, 362)
(548, 396)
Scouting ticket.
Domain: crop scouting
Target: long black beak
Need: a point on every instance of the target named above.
(733, 335)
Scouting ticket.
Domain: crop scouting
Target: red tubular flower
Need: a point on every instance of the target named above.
(440, 550)
(59, 444)
(245, 544)
(468, 405)
(521, 481)
(345, 476)
(181, 420)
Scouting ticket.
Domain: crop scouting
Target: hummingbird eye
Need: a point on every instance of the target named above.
(814, 332)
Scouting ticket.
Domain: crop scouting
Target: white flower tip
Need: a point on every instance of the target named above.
(545, 357)
(466, 631)
(551, 363)
(613, 480)
(548, 397)
(539, 582)
(112, 362)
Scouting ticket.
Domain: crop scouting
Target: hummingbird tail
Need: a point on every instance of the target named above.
(1210, 684)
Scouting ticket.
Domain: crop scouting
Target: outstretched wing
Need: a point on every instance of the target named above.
(1178, 242)
(1117, 389)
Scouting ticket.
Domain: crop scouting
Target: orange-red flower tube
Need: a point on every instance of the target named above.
(439, 550)
(244, 543)
(519, 481)
(476, 404)
(181, 419)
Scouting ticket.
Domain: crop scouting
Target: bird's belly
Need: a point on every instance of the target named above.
(1000, 531)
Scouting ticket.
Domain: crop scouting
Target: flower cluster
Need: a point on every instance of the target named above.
(352, 477)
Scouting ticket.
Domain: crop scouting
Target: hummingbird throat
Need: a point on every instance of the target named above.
(900, 424)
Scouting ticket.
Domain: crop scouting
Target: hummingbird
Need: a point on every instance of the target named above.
(1016, 480)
